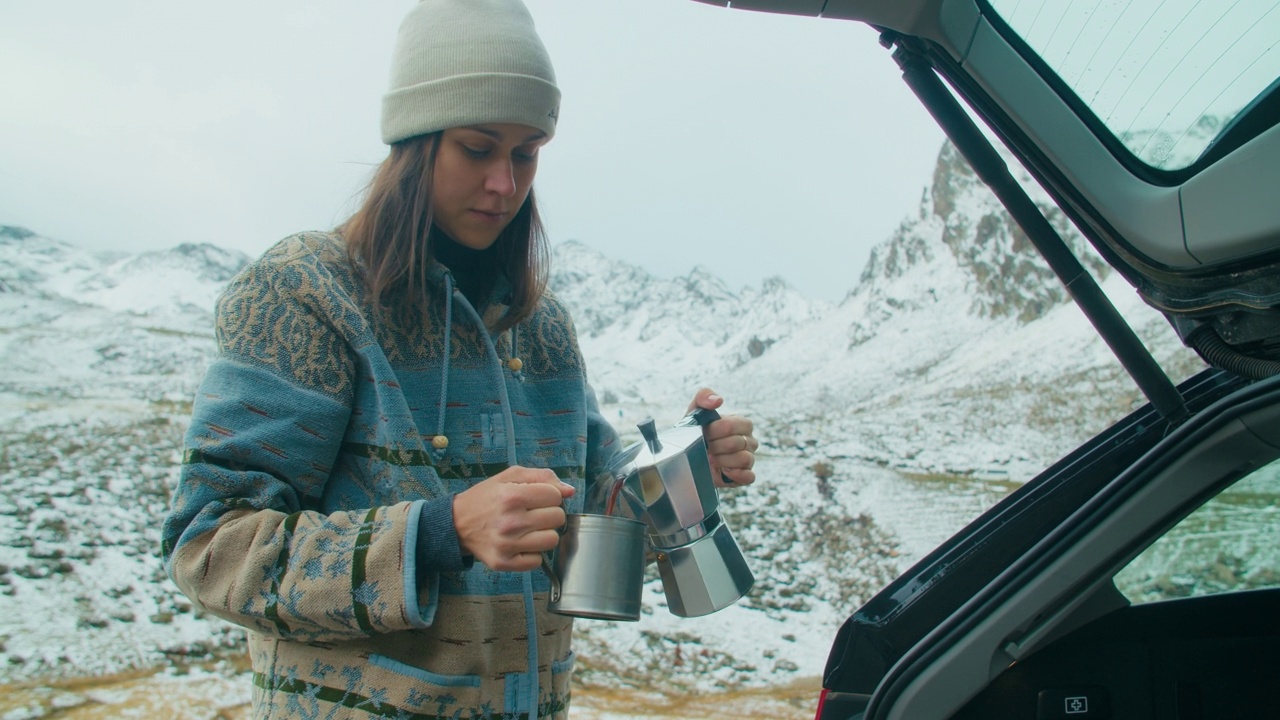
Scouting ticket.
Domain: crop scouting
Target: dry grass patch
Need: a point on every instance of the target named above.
(796, 700)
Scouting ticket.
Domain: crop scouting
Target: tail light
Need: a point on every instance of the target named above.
(822, 700)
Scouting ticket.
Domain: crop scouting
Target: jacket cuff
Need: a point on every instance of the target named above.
(438, 548)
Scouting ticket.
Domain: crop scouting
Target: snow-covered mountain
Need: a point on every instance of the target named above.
(106, 330)
(955, 355)
(956, 352)
(1012, 364)
(647, 337)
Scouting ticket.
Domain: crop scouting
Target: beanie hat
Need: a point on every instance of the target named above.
(468, 62)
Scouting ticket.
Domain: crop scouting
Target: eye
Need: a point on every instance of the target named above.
(525, 155)
(475, 153)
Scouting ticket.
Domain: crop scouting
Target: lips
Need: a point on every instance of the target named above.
(490, 214)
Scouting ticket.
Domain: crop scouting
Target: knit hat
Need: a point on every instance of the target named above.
(468, 62)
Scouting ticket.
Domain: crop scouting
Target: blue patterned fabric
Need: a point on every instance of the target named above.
(305, 468)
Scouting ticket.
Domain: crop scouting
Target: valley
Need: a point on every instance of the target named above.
(952, 372)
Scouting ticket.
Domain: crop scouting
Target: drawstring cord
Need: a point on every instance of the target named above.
(504, 401)
(440, 442)
(515, 363)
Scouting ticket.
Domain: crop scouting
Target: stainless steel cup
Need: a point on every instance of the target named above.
(597, 569)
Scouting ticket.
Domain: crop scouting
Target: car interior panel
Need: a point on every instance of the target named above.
(1228, 208)
(901, 615)
(1035, 602)
(1194, 658)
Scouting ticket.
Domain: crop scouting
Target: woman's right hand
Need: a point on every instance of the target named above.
(508, 520)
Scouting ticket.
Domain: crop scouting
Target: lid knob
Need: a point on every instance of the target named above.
(650, 433)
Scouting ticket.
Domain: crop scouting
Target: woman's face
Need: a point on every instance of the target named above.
(481, 178)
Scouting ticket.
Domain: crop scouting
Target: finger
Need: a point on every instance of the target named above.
(705, 398)
(542, 495)
(528, 475)
(537, 542)
(733, 444)
(541, 476)
(519, 562)
(518, 498)
(739, 461)
(734, 461)
(739, 476)
(512, 527)
(728, 426)
(524, 542)
(545, 518)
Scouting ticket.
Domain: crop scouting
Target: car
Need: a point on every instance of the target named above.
(1139, 576)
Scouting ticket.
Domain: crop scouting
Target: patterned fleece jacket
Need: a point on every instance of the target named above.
(305, 469)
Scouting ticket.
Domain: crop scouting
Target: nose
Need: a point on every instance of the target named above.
(500, 177)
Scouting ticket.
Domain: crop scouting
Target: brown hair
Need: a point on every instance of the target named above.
(389, 238)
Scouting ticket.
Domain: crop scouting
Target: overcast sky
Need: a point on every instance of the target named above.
(753, 144)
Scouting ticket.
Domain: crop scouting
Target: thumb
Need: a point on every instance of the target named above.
(705, 398)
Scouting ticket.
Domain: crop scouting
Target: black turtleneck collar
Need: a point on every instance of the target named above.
(473, 270)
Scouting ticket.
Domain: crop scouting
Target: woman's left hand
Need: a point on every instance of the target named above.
(730, 444)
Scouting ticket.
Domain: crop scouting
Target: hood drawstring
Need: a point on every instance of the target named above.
(439, 442)
(501, 381)
(515, 363)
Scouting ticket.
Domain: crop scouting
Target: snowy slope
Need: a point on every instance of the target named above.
(957, 351)
(116, 333)
(953, 369)
(651, 339)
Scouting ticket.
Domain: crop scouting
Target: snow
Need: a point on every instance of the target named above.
(948, 375)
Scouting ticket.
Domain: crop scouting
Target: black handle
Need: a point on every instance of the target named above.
(703, 417)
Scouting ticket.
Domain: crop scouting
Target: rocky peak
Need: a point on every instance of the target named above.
(961, 223)
(34, 264)
(205, 261)
(14, 232)
(688, 325)
(706, 287)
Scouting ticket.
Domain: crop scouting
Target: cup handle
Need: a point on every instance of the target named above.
(551, 575)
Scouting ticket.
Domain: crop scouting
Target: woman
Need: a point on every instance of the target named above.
(398, 418)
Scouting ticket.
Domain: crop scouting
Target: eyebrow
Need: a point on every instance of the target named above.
(498, 136)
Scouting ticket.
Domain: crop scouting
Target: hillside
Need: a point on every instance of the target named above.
(952, 370)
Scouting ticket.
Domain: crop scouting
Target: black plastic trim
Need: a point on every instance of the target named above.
(888, 625)
(1253, 397)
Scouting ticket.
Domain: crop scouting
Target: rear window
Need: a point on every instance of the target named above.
(1167, 78)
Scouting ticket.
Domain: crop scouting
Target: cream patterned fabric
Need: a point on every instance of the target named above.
(305, 466)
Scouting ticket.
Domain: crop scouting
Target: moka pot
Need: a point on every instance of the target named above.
(667, 482)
